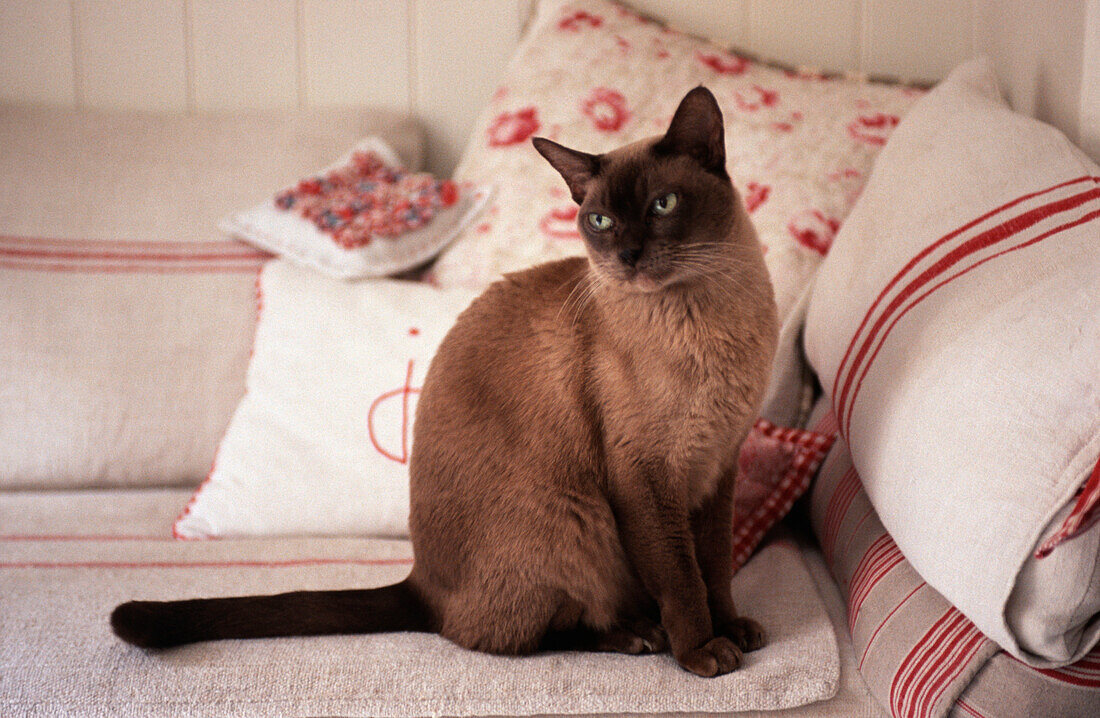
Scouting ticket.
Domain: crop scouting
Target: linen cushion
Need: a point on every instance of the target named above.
(320, 444)
(70, 557)
(956, 327)
(594, 75)
(125, 319)
(917, 653)
(362, 216)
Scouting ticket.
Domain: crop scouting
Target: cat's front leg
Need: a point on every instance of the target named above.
(712, 526)
(655, 529)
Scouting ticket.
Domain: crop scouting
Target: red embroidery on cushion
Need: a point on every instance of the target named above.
(404, 392)
(367, 198)
(511, 128)
(560, 223)
(724, 64)
(755, 98)
(873, 129)
(813, 230)
(606, 108)
(623, 44)
(757, 195)
(578, 20)
(414, 332)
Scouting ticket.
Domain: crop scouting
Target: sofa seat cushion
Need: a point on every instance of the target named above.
(66, 558)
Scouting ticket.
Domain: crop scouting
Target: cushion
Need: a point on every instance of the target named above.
(917, 653)
(125, 318)
(956, 326)
(320, 444)
(594, 75)
(362, 216)
(58, 656)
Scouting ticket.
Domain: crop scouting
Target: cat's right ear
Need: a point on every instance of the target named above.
(576, 167)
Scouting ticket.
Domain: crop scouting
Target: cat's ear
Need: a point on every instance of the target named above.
(575, 166)
(696, 130)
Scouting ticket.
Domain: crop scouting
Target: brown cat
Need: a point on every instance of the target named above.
(576, 438)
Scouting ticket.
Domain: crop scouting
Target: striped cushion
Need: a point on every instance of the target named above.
(956, 327)
(920, 656)
(125, 321)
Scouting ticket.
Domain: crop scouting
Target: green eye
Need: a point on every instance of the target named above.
(599, 222)
(664, 205)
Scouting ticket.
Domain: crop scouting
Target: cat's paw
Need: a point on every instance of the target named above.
(716, 657)
(640, 637)
(746, 633)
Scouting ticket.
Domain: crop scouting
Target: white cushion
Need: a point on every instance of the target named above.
(956, 326)
(287, 233)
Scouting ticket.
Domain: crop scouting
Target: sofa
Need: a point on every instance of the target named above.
(128, 331)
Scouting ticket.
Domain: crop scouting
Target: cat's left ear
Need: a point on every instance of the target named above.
(576, 167)
(697, 131)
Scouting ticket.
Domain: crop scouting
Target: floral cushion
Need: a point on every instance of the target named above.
(594, 75)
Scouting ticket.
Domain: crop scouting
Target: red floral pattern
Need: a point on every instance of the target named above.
(755, 98)
(511, 128)
(724, 64)
(367, 198)
(813, 230)
(560, 223)
(756, 195)
(873, 129)
(606, 108)
(575, 21)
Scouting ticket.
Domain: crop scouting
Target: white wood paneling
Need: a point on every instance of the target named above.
(456, 68)
(132, 53)
(918, 41)
(36, 52)
(441, 59)
(1039, 54)
(356, 52)
(1089, 113)
(817, 34)
(244, 53)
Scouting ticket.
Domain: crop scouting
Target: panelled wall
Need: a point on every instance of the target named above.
(440, 59)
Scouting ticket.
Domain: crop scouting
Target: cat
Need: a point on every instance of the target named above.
(576, 438)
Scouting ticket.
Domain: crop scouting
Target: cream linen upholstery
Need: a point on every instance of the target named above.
(126, 319)
(58, 657)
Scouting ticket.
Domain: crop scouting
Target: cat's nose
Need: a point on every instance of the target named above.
(630, 256)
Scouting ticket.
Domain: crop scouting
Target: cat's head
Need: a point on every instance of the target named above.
(658, 211)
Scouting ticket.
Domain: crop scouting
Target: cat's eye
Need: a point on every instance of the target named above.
(664, 205)
(599, 222)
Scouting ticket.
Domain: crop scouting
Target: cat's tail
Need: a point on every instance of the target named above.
(156, 624)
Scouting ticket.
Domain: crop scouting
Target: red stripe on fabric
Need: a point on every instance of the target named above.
(914, 668)
(895, 609)
(132, 256)
(204, 245)
(839, 504)
(928, 250)
(290, 563)
(963, 648)
(82, 537)
(855, 529)
(132, 269)
(877, 562)
(866, 367)
(967, 708)
(1087, 502)
(983, 240)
